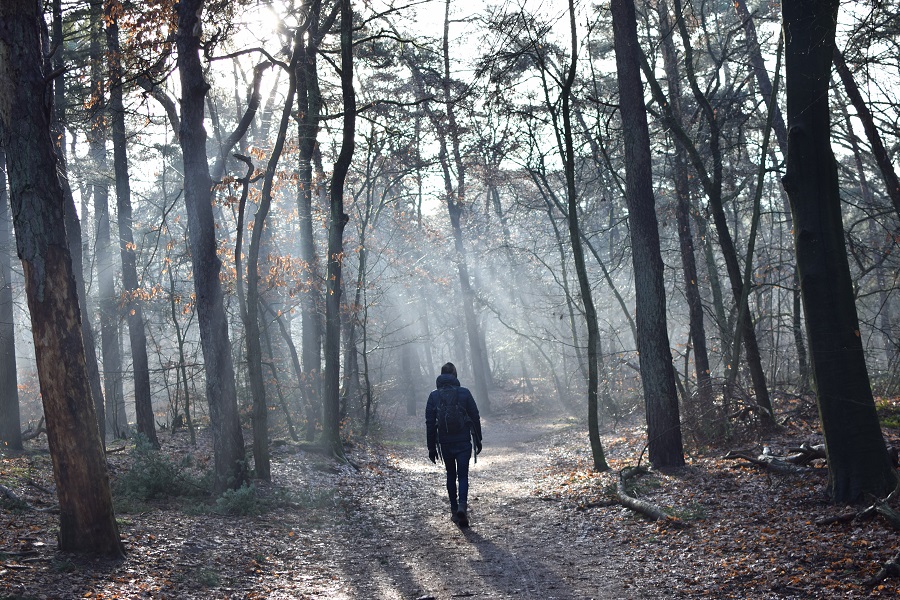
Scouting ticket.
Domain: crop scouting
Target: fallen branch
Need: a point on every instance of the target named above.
(767, 461)
(888, 569)
(13, 497)
(31, 434)
(892, 516)
(805, 454)
(846, 517)
(878, 507)
(648, 509)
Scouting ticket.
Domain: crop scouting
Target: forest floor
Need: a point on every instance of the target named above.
(542, 526)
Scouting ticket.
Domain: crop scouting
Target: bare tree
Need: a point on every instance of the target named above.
(221, 394)
(131, 300)
(657, 372)
(337, 221)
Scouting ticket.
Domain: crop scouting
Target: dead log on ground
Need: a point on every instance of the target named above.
(770, 462)
(648, 509)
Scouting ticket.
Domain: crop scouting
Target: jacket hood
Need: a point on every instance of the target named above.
(446, 380)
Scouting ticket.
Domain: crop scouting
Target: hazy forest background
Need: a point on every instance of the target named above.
(283, 217)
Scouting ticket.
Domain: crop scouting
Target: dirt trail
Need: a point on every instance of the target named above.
(404, 545)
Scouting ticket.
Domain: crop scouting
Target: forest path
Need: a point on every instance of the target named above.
(402, 544)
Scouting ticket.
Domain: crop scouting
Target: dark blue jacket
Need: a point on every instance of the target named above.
(466, 402)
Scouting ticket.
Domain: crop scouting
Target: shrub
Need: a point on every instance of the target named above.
(243, 501)
(153, 475)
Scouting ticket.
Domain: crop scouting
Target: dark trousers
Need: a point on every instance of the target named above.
(456, 459)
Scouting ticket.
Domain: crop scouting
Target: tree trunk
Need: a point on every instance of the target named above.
(765, 88)
(116, 421)
(567, 153)
(86, 522)
(309, 106)
(261, 459)
(712, 185)
(182, 366)
(336, 223)
(455, 203)
(73, 225)
(132, 304)
(10, 425)
(858, 461)
(228, 441)
(657, 372)
(685, 237)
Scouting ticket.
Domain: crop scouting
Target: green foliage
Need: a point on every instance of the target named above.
(888, 412)
(243, 501)
(691, 512)
(152, 476)
(207, 577)
(15, 506)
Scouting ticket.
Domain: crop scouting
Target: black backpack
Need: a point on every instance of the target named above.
(451, 417)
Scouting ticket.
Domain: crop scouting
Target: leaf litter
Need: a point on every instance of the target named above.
(544, 525)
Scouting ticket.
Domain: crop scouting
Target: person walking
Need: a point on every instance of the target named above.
(453, 427)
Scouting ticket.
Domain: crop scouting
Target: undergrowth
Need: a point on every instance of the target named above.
(154, 476)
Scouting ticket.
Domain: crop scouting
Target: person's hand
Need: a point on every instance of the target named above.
(432, 455)
(477, 448)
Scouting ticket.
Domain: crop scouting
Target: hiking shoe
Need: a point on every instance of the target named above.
(462, 519)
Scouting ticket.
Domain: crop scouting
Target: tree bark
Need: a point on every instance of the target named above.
(87, 523)
(337, 221)
(657, 372)
(131, 303)
(73, 225)
(858, 461)
(228, 441)
(10, 424)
